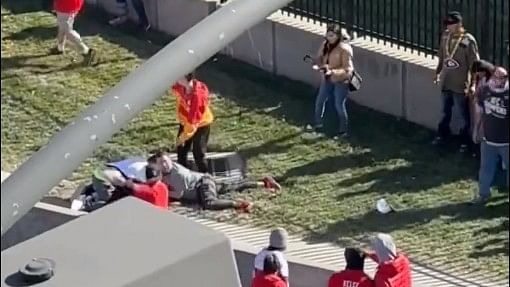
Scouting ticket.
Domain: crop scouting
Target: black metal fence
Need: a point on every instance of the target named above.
(414, 24)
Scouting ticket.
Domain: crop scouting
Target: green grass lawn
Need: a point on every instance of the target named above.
(330, 187)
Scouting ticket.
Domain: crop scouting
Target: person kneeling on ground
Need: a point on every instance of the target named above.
(353, 275)
(393, 268)
(139, 7)
(153, 190)
(277, 245)
(269, 277)
(190, 186)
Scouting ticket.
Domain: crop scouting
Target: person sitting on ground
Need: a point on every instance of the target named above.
(277, 245)
(153, 190)
(139, 7)
(269, 277)
(190, 186)
(393, 268)
(353, 275)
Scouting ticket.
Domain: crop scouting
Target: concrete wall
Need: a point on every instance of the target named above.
(38, 220)
(45, 217)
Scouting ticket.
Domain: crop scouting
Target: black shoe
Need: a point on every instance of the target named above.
(480, 201)
(438, 141)
(56, 51)
(341, 136)
(89, 57)
(315, 128)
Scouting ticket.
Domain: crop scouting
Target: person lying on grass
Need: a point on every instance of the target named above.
(153, 190)
(201, 188)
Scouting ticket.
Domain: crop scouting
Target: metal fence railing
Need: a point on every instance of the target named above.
(415, 24)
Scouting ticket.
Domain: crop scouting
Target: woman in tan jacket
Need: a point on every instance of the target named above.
(335, 62)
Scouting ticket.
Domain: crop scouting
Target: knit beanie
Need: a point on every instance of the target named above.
(384, 247)
(278, 238)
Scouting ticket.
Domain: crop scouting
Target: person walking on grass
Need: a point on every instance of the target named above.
(493, 109)
(66, 11)
(336, 65)
(457, 52)
(195, 119)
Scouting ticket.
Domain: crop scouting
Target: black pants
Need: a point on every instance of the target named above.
(139, 7)
(224, 188)
(199, 143)
(461, 102)
(207, 192)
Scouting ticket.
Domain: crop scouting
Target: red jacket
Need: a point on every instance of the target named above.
(156, 194)
(68, 6)
(271, 280)
(354, 278)
(395, 273)
(197, 102)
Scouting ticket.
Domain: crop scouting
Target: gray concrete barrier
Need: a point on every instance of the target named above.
(290, 45)
(38, 220)
(255, 47)
(174, 17)
(44, 217)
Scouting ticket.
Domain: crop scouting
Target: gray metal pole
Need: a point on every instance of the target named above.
(141, 88)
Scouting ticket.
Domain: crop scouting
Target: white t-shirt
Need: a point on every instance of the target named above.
(259, 261)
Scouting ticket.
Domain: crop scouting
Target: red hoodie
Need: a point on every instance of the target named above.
(270, 280)
(355, 278)
(156, 194)
(68, 6)
(395, 273)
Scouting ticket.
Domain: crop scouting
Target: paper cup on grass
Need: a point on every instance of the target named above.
(383, 206)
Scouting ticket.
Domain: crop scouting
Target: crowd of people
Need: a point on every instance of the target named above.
(475, 87)
(271, 268)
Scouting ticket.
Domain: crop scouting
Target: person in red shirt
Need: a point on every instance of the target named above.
(153, 190)
(269, 277)
(353, 275)
(66, 11)
(195, 119)
(394, 269)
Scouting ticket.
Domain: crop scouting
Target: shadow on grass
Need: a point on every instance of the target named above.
(343, 232)
(22, 6)
(40, 33)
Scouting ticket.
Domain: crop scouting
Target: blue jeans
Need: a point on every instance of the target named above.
(489, 160)
(139, 7)
(461, 103)
(339, 91)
